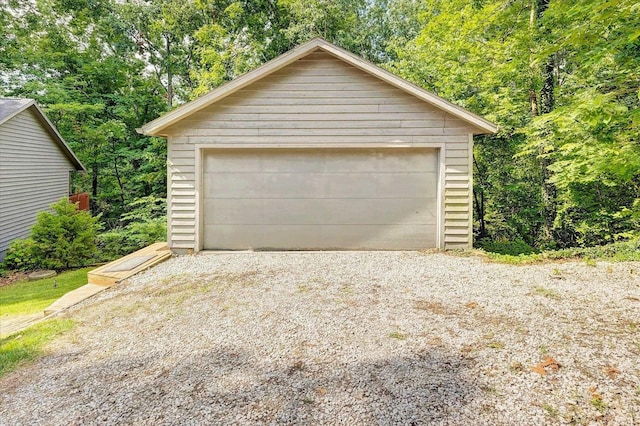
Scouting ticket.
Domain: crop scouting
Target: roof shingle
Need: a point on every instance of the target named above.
(11, 106)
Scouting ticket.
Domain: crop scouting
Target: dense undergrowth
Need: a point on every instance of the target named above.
(519, 253)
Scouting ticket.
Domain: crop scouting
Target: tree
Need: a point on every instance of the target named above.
(163, 32)
(92, 84)
(560, 77)
(542, 101)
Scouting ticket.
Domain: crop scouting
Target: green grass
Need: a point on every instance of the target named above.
(29, 297)
(546, 292)
(495, 345)
(616, 252)
(28, 344)
(398, 335)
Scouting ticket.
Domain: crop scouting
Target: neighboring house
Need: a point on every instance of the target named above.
(35, 166)
(319, 149)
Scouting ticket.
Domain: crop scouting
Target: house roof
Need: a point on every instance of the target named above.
(10, 107)
(157, 126)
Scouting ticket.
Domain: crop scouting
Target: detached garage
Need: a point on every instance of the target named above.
(319, 149)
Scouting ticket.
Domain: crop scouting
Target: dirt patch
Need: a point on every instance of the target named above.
(12, 277)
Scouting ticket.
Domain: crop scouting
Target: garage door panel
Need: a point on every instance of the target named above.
(405, 185)
(405, 160)
(325, 160)
(319, 185)
(320, 199)
(411, 211)
(231, 161)
(325, 237)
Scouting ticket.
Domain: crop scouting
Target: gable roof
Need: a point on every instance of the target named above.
(156, 127)
(10, 107)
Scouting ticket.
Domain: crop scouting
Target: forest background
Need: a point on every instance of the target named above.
(560, 77)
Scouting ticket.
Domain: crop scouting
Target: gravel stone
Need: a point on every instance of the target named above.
(344, 338)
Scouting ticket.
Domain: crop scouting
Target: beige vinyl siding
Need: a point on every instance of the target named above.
(34, 173)
(318, 100)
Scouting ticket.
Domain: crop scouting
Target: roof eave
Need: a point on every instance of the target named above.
(156, 127)
(58, 137)
(18, 111)
(482, 124)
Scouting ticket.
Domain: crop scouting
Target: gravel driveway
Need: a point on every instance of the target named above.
(345, 338)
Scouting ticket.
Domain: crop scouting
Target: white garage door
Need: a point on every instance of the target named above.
(296, 199)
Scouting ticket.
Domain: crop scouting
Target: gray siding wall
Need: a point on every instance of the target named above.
(34, 173)
(318, 100)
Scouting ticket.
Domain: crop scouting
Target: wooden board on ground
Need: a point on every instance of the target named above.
(111, 273)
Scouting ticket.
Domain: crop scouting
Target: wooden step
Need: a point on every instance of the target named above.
(99, 280)
(73, 298)
(127, 266)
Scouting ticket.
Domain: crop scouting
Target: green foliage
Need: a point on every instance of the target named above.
(144, 224)
(488, 56)
(558, 175)
(28, 344)
(616, 252)
(61, 239)
(19, 256)
(90, 77)
(509, 247)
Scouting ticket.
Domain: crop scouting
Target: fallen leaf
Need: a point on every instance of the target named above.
(595, 395)
(550, 363)
(539, 370)
(612, 372)
(547, 363)
(321, 391)
(467, 348)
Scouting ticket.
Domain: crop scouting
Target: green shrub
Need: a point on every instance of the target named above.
(113, 244)
(134, 236)
(510, 247)
(144, 224)
(20, 255)
(617, 252)
(61, 239)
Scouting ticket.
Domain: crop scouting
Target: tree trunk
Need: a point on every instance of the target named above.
(117, 174)
(169, 72)
(548, 189)
(533, 102)
(479, 206)
(544, 106)
(94, 180)
(547, 99)
(479, 203)
(94, 186)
